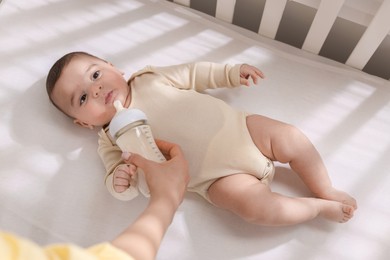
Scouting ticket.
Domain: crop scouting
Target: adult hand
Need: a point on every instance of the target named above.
(167, 183)
(167, 179)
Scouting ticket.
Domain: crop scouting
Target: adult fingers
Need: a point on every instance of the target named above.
(138, 160)
(170, 149)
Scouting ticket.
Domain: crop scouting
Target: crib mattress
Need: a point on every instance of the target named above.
(51, 178)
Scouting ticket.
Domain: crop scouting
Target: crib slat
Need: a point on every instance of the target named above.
(322, 23)
(372, 37)
(272, 14)
(182, 2)
(225, 10)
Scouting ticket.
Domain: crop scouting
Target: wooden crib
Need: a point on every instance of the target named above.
(350, 33)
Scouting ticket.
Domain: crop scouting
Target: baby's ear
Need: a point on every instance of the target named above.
(83, 124)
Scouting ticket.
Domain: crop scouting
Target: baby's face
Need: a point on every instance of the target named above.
(87, 89)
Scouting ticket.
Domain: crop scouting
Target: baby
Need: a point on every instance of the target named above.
(230, 153)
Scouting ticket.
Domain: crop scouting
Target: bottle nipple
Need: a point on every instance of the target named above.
(118, 105)
(124, 117)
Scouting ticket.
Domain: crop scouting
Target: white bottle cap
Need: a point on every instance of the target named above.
(124, 117)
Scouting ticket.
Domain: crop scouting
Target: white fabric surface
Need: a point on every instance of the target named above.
(51, 179)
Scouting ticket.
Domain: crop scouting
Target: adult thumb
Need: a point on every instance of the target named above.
(136, 159)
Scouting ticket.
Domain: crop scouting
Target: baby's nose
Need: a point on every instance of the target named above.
(96, 90)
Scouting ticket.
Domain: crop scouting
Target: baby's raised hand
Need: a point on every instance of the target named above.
(247, 71)
(123, 176)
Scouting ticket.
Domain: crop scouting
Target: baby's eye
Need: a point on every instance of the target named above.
(96, 74)
(83, 98)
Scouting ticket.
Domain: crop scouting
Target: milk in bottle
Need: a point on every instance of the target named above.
(132, 134)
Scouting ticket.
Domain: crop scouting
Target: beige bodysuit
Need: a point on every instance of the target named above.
(213, 135)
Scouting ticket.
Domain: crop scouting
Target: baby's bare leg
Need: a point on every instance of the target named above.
(246, 196)
(287, 144)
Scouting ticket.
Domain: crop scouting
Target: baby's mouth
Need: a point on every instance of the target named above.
(108, 97)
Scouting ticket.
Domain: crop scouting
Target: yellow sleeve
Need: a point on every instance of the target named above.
(15, 248)
(103, 251)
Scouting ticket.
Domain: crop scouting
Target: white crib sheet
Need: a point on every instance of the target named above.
(51, 179)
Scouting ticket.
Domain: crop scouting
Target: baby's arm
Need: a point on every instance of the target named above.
(200, 76)
(111, 156)
(207, 75)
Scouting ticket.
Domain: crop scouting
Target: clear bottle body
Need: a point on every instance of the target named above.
(138, 138)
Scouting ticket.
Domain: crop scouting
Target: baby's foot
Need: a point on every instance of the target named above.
(336, 211)
(340, 196)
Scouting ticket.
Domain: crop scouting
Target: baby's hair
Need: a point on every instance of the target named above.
(56, 70)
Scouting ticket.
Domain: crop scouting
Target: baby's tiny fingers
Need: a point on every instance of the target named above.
(260, 73)
(121, 182)
(119, 188)
(132, 168)
(244, 81)
(121, 174)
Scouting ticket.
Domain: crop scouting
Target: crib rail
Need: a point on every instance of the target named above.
(372, 37)
(326, 13)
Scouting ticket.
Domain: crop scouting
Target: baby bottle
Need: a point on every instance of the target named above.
(132, 134)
